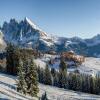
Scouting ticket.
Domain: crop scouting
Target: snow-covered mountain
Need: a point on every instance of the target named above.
(24, 33)
(27, 34)
(93, 41)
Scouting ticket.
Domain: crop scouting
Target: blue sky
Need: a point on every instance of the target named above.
(66, 18)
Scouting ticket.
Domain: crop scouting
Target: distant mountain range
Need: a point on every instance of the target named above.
(28, 35)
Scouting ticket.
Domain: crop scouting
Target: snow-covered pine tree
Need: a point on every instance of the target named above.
(97, 85)
(9, 58)
(21, 83)
(62, 79)
(79, 83)
(74, 81)
(53, 72)
(47, 76)
(40, 74)
(13, 55)
(32, 79)
(62, 65)
(55, 79)
(44, 96)
(92, 85)
(62, 74)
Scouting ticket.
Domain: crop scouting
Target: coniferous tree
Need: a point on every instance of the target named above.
(55, 79)
(92, 85)
(9, 58)
(79, 83)
(41, 75)
(97, 85)
(84, 83)
(53, 72)
(44, 96)
(62, 65)
(74, 81)
(70, 81)
(47, 76)
(32, 79)
(62, 74)
(87, 84)
(21, 83)
(63, 79)
(12, 58)
(16, 58)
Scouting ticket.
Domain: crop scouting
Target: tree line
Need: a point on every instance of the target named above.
(73, 81)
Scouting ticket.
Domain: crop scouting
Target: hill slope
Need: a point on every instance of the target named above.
(8, 84)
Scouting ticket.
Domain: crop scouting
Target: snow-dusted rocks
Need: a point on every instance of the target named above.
(26, 34)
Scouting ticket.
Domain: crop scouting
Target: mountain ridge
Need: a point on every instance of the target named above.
(27, 34)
